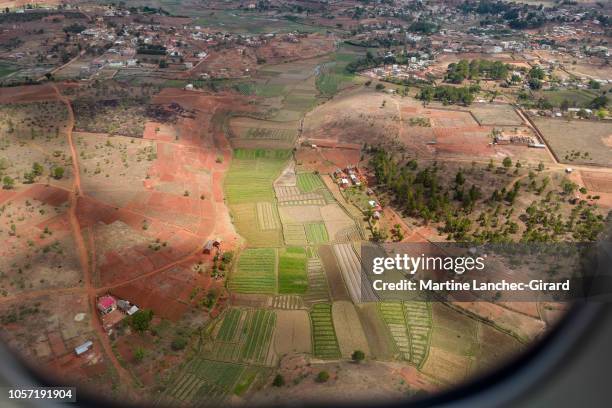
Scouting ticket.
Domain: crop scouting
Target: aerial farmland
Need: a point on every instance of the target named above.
(187, 190)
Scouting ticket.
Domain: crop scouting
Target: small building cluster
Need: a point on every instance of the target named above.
(113, 310)
(349, 176)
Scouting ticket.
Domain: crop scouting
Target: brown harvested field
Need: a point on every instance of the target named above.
(493, 349)
(28, 93)
(348, 329)
(379, 342)
(336, 220)
(292, 333)
(334, 276)
(597, 182)
(584, 136)
(452, 331)
(525, 327)
(300, 213)
(495, 114)
(446, 366)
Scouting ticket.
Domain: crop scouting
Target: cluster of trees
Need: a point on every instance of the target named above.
(535, 77)
(517, 16)
(370, 61)
(449, 95)
(151, 49)
(421, 193)
(475, 69)
(424, 27)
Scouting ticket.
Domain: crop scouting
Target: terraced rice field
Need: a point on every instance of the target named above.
(324, 337)
(252, 173)
(308, 182)
(244, 336)
(292, 275)
(255, 272)
(316, 233)
(318, 290)
(410, 326)
(294, 234)
(267, 216)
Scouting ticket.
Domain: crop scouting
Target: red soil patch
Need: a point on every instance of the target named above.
(28, 93)
(151, 133)
(6, 195)
(166, 294)
(47, 194)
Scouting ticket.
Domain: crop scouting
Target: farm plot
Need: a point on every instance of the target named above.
(418, 319)
(292, 276)
(267, 216)
(316, 233)
(294, 234)
(203, 380)
(244, 336)
(350, 267)
(307, 199)
(249, 132)
(323, 333)
(252, 173)
(349, 330)
(317, 283)
(292, 334)
(338, 224)
(393, 316)
(496, 114)
(590, 140)
(255, 272)
(247, 218)
(308, 182)
(410, 326)
(288, 302)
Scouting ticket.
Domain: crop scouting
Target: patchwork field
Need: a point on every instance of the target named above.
(255, 272)
(410, 326)
(244, 335)
(292, 334)
(251, 175)
(348, 329)
(292, 275)
(323, 333)
(316, 233)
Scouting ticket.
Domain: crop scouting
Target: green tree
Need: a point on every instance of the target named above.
(507, 162)
(37, 169)
(58, 172)
(358, 356)
(141, 320)
(139, 354)
(322, 377)
(7, 182)
(179, 343)
(278, 381)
